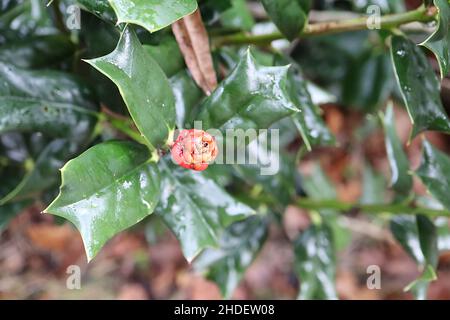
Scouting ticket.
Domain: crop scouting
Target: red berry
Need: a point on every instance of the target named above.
(194, 149)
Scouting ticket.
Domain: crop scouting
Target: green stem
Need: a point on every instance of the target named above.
(121, 125)
(387, 22)
(369, 208)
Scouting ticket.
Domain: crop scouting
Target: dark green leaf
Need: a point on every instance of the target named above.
(143, 86)
(438, 42)
(238, 247)
(418, 237)
(100, 8)
(48, 101)
(107, 189)
(168, 56)
(196, 209)
(434, 171)
(370, 82)
(315, 263)
(401, 180)
(251, 97)
(43, 173)
(187, 96)
(419, 86)
(290, 16)
(37, 51)
(238, 16)
(152, 14)
(308, 121)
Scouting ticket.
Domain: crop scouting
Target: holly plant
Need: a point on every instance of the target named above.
(101, 101)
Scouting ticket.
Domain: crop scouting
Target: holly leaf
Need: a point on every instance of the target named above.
(196, 208)
(51, 102)
(239, 245)
(438, 41)
(315, 263)
(290, 16)
(251, 97)
(42, 173)
(401, 180)
(434, 171)
(152, 15)
(105, 190)
(37, 51)
(419, 86)
(143, 85)
(418, 237)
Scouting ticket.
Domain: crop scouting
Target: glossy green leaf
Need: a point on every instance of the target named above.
(238, 16)
(350, 65)
(107, 189)
(290, 16)
(401, 180)
(251, 97)
(52, 102)
(308, 121)
(419, 86)
(370, 82)
(100, 8)
(315, 263)
(238, 247)
(167, 55)
(43, 172)
(24, 19)
(152, 14)
(37, 51)
(434, 171)
(196, 208)
(438, 42)
(100, 38)
(187, 96)
(143, 86)
(418, 237)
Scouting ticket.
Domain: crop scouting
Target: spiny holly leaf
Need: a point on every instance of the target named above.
(418, 237)
(52, 102)
(315, 263)
(401, 180)
(153, 15)
(290, 16)
(42, 174)
(438, 42)
(195, 208)
(239, 246)
(143, 86)
(419, 86)
(251, 97)
(105, 190)
(434, 171)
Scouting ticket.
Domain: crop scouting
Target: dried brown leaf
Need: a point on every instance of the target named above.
(193, 41)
